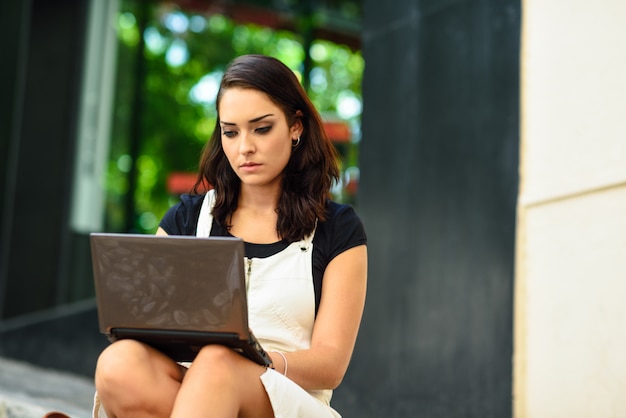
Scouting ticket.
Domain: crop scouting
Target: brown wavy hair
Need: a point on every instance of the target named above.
(312, 168)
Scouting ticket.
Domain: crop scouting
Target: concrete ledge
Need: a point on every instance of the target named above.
(27, 391)
(64, 338)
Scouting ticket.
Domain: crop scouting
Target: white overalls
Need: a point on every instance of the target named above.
(281, 312)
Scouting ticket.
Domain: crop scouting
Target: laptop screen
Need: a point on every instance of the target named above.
(169, 283)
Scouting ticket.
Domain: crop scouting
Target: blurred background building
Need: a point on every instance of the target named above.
(482, 144)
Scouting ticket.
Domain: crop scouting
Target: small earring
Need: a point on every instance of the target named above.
(295, 142)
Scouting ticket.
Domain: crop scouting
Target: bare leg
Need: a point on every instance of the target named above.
(222, 383)
(133, 379)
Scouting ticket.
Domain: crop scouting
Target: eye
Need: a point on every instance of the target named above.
(264, 129)
(229, 134)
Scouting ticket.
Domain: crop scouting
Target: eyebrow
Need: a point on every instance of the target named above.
(250, 121)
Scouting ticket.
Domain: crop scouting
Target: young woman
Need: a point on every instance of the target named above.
(271, 167)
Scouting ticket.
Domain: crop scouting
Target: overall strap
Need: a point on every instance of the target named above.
(205, 219)
(307, 242)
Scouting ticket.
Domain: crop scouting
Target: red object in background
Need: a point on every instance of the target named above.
(337, 131)
(181, 182)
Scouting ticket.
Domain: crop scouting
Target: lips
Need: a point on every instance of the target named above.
(249, 166)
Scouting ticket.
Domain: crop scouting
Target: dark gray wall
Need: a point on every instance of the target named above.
(43, 266)
(439, 181)
(45, 42)
(12, 17)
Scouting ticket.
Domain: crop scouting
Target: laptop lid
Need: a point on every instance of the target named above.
(175, 292)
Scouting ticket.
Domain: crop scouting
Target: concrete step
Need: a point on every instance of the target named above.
(27, 391)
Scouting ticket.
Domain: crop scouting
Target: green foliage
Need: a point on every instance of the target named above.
(164, 107)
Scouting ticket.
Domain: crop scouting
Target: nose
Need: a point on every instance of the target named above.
(246, 143)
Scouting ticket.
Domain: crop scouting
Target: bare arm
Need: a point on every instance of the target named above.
(324, 365)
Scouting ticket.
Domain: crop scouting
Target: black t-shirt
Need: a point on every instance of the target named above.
(341, 231)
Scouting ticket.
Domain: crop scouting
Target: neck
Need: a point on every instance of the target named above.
(255, 218)
(258, 198)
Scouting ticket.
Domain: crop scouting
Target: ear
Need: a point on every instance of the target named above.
(297, 128)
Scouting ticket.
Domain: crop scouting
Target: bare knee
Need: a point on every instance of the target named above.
(133, 379)
(116, 363)
(213, 355)
(222, 363)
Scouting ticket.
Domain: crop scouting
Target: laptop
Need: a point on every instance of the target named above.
(175, 293)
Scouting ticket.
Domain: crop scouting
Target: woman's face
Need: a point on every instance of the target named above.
(256, 137)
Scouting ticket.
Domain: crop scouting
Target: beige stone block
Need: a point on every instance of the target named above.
(574, 338)
(573, 89)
